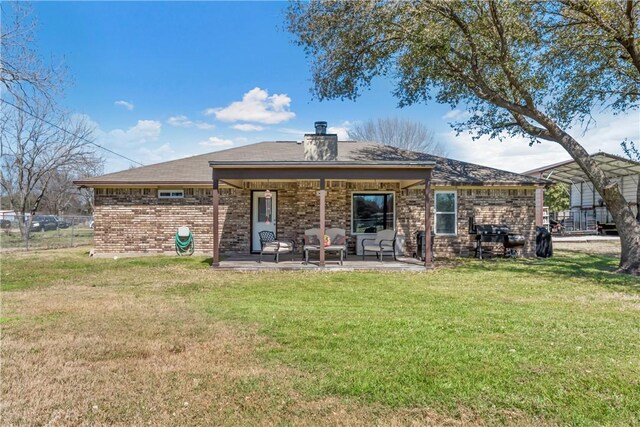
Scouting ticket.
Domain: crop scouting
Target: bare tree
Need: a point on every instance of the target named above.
(40, 145)
(400, 133)
(63, 196)
(23, 75)
(36, 146)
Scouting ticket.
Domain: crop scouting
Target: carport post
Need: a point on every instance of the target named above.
(216, 226)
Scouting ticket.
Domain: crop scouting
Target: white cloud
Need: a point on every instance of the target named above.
(456, 115)
(125, 104)
(160, 154)
(184, 122)
(246, 127)
(514, 154)
(214, 141)
(257, 107)
(143, 131)
(342, 131)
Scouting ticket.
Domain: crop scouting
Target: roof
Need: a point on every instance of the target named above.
(196, 170)
(569, 172)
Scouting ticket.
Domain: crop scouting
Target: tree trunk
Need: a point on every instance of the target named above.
(627, 225)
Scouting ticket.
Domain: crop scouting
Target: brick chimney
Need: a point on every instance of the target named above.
(320, 146)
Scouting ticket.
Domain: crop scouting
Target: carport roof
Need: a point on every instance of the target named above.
(569, 172)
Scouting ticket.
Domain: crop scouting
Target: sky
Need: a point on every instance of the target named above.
(165, 80)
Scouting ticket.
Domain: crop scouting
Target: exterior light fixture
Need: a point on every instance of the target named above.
(267, 206)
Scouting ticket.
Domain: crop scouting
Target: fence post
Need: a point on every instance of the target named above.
(27, 231)
(73, 223)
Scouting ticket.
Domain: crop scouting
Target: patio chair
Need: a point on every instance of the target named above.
(385, 241)
(269, 245)
(338, 242)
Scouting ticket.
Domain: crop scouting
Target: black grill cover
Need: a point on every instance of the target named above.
(544, 247)
(492, 229)
(514, 240)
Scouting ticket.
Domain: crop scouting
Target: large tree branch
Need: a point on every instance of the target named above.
(532, 130)
(504, 58)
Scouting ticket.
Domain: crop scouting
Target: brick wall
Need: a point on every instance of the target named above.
(135, 220)
(513, 207)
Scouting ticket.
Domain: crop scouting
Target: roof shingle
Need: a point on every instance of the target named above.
(196, 170)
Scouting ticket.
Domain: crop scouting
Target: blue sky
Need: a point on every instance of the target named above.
(164, 80)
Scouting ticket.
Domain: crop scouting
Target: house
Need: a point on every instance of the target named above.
(359, 186)
(586, 206)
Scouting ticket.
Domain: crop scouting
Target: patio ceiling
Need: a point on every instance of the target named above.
(569, 172)
(389, 170)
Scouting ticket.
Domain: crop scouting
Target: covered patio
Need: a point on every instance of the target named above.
(250, 262)
(240, 174)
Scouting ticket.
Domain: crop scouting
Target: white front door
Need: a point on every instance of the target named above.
(261, 218)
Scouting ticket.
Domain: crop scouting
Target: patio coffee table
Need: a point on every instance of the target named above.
(340, 249)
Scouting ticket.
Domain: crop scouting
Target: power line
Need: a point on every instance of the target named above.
(70, 133)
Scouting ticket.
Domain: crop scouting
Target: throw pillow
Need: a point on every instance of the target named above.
(311, 239)
(339, 240)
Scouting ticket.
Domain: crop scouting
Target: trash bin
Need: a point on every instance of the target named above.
(420, 244)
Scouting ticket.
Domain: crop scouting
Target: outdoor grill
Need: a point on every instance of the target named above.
(496, 233)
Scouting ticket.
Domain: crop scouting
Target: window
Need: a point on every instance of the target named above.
(446, 217)
(264, 214)
(170, 194)
(372, 212)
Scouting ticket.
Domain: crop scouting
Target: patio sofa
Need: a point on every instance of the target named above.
(337, 244)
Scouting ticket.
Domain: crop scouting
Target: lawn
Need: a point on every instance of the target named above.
(61, 238)
(164, 340)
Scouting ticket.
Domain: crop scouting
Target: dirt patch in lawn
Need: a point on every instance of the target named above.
(108, 356)
(591, 247)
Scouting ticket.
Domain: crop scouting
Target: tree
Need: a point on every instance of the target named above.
(556, 197)
(38, 141)
(63, 196)
(23, 75)
(502, 60)
(400, 133)
(37, 146)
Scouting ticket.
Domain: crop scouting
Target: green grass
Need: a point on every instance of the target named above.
(41, 269)
(62, 238)
(557, 340)
(538, 341)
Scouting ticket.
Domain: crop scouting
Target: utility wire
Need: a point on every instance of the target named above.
(70, 133)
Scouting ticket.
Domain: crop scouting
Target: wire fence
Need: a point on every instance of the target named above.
(45, 232)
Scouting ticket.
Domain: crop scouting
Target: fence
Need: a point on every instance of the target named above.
(45, 232)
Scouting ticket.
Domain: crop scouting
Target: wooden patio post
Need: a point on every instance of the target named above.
(428, 256)
(323, 194)
(216, 226)
(540, 204)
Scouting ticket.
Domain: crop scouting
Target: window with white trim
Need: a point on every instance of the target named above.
(170, 194)
(372, 212)
(446, 212)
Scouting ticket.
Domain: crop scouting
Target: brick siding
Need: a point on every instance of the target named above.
(136, 220)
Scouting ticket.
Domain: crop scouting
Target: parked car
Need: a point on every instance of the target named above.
(44, 223)
(62, 223)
